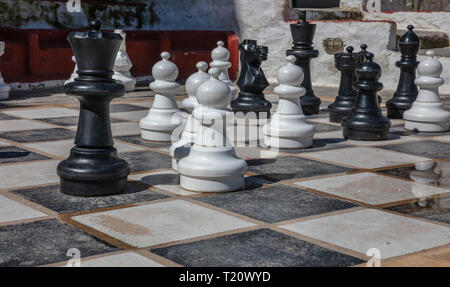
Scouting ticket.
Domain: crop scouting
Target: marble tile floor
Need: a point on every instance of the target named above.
(327, 205)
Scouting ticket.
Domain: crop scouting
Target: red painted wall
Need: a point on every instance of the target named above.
(39, 55)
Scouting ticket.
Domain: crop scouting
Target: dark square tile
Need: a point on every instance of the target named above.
(140, 141)
(292, 167)
(276, 203)
(70, 121)
(9, 154)
(50, 197)
(399, 129)
(39, 135)
(117, 108)
(147, 160)
(428, 148)
(44, 242)
(258, 248)
(5, 117)
(434, 209)
(318, 145)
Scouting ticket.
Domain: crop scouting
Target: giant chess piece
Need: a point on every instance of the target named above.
(164, 116)
(192, 83)
(4, 88)
(220, 56)
(406, 92)
(287, 127)
(252, 80)
(303, 34)
(212, 165)
(427, 113)
(123, 65)
(181, 148)
(93, 167)
(366, 122)
(346, 63)
(74, 74)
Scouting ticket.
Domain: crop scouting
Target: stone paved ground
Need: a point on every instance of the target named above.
(324, 206)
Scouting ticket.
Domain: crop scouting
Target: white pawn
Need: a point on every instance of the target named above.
(220, 56)
(74, 73)
(164, 116)
(4, 88)
(427, 114)
(181, 148)
(123, 65)
(287, 127)
(212, 164)
(192, 84)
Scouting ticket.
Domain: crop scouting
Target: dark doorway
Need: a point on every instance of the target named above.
(315, 3)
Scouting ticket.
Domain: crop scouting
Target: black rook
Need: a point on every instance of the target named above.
(366, 121)
(93, 167)
(406, 92)
(303, 34)
(346, 63)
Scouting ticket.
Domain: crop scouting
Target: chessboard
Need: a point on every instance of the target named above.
(338, 203)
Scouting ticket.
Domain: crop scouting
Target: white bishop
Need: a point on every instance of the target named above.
(287, 127)
(4, 88)
(123, 65)
(427, 113)
(220, 56)
(164, 116)
(212, 164)
(182, 147)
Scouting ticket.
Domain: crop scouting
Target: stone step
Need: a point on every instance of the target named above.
(326, 14)
(430, 39)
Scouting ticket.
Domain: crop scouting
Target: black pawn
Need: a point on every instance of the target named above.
(303, 34)
(366, 121)
(252, 80)
(93, 167)
(407, 91)
(346, 63)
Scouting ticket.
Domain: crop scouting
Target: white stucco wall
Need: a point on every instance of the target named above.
(267, 25)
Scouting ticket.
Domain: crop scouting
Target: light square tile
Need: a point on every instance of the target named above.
(372, 188)
(162, 222)
(127, 259)
(131, 116)
(3, 143)
(125, 128)
(324, 120)
(11, 210)
(444, 138)
(62, 148)
(365, 157)
(22, 125)
(43, 113)
(35, 173)
(392, 234)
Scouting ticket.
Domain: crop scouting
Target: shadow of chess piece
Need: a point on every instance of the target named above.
(366, 121)
(303, 34)
(93, 167)
(406, 92)
(252, 80)
(346, 63)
